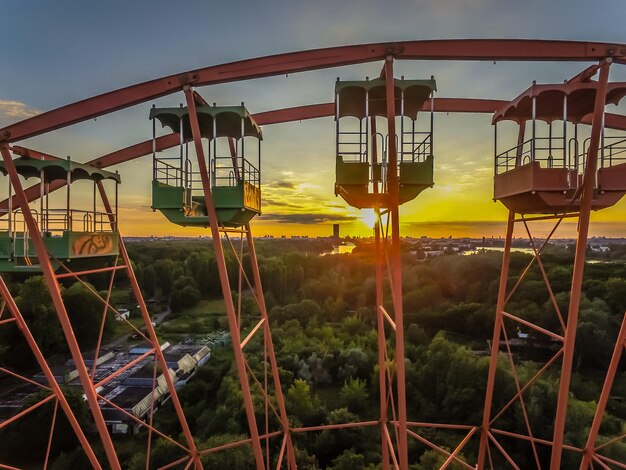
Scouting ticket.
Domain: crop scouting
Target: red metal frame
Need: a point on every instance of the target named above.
(53, 386)
(55, 293)
(394, 429)
(233, 316)
(277, 116)
(293, 62)
(589, 452)
(90, 388)
(569, 328)
(579, 264)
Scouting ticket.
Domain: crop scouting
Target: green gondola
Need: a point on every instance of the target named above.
(235, 182)
(69, 234)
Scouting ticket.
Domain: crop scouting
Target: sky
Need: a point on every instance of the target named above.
(55, 53)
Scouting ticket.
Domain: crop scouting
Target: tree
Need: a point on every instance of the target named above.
(349, 460)
(615, 289)
(198, 266)
(149, 281)
(29, 435)
(302, 405)
(39, 314)
(354, 394)
(184, 295)
(236, 458)
(433, 459)
(85, 313)
(164, 269)
(594, 338)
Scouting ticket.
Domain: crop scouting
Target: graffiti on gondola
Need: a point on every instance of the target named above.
(93, 245)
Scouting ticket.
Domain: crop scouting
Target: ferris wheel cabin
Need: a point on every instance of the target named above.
(362, 150)
(234, 153)
(71, 230)
(543, 172)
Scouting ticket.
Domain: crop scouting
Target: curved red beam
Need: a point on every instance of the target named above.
(300, 113)
(277, 116)
(293, 62)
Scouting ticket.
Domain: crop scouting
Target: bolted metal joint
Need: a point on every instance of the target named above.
(394, 49)
(188, 78)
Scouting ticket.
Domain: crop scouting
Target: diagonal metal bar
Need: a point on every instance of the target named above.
(463, 427)
(391, 399)
(25, 379)
(390, 447)
(230, 445)
(537, 440)
(590, 446)
(322, 427)
(532, 262)
(503, 452)
(175, 463)
(490, 458)
(252, 332)
(54, 386)
(103, 321)
(59, 306)
(495, 341)
(8, 467)
(528, 384)
(545, 275)
(151, 419)
(143, 423)
(123, 369)
(520, 394)
(533, 326)
(611, 441)
(609, 460)
(579, 263)
(383, 310)
(380, 326)
(49, 448)
(281, 454)
(101, 299)
(240, 275)
(599, 462)
(243, 272)
(26, 411)
(90, 271)
(256, 381)
(438, 449)
(459, 448)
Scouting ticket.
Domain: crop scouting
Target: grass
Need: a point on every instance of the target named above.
(203, 318)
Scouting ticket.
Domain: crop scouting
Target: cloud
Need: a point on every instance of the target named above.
(283, 184)
(270, 201)
(16, 110)
(307, 218)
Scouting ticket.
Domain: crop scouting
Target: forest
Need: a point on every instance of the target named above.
(323, 322)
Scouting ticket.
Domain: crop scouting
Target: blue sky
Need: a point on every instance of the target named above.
(58, 52)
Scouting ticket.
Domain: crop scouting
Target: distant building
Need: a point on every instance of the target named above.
(336, 231)
(124, 314)
(131, 391)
